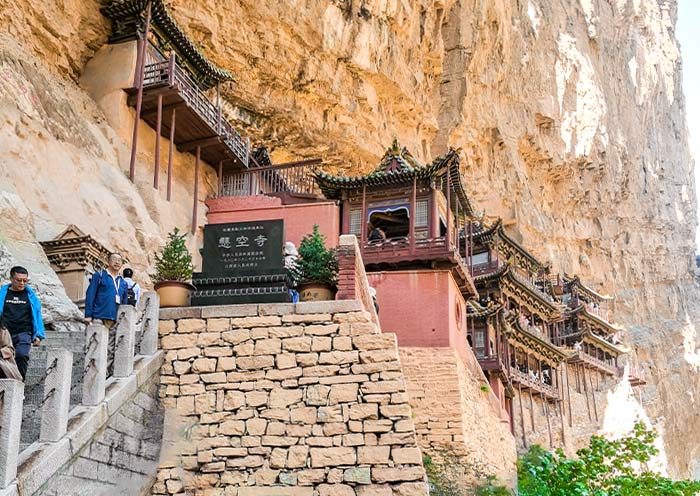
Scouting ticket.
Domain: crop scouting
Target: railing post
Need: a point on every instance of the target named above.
(125, 336)
(171, 70)
(149, 338)
(11, 400)
(95, 372)
(247, 151)
(54, 412)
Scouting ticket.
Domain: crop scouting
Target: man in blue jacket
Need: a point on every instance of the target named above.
(107, 290)
(20, 312)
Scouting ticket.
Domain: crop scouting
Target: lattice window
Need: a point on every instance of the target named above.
(356, 222)
(421, 217)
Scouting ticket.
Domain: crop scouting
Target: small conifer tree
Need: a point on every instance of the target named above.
(316, 263)
(174, 262)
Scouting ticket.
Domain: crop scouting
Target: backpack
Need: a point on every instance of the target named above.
(131, 295)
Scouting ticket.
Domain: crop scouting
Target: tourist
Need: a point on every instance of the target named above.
(133, 290)
(373, 294)
(21, 315)
(376, 234)
(107, 290)
(8, 366)
(290, 264)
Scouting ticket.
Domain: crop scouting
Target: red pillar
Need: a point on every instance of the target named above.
(412, 218)
(195, 202)
(159, 123)
(220, 177)
(170, 155)
(139, 96)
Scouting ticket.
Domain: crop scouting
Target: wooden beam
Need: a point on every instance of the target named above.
(585, 390)
(568, 394)
(199, 143)
(522, 414)
(159, 123)
(195, 202)
(170, 154)
(595, 407)
(139, 96)
(166, 108)
(549, 423)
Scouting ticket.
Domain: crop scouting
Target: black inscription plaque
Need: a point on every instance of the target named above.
(243, 248)
(242, 262)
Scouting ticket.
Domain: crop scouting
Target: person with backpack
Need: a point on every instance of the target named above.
(133, 290)
(107, 290)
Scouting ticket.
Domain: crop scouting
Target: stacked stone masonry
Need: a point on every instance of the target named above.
(284, 399)
(446, 398)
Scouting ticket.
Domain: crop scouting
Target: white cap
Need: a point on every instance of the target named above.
(372, 292)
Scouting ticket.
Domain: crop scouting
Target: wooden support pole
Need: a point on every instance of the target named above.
(595, 408)
(195, 202)
(170, 155)
(522, 414)
(159, 123)
(220, 178)
(561, 418)
(532, 410)
(568, 394)
(139, 96)
(585, 390)
(549, 423)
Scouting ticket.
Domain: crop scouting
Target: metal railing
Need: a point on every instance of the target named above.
(168, 72)
(526, 380)
(296, 179)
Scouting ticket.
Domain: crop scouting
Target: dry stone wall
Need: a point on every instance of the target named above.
(453, 414)
(284, 399)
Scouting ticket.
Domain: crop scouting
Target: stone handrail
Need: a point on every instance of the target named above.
(352, 278)
(55, 405)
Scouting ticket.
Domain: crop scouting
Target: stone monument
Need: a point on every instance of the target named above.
(242, 262)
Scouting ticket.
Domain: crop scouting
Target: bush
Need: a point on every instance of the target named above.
(174, 262)
(316, 263)
(604, 468)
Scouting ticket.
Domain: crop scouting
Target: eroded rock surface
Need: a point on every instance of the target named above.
(569, 116)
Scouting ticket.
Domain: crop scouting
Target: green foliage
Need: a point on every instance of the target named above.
(604, 468)
(453, 476)
(174, 262)
(316, 263)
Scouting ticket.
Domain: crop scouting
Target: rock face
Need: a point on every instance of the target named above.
(569, 116)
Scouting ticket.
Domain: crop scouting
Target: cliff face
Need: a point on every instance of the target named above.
(569, 116)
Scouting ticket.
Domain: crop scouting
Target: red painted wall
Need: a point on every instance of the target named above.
(423, 307)
(299, 219)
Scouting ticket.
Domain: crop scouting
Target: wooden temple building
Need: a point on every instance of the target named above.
(407, 215)
(176, 91)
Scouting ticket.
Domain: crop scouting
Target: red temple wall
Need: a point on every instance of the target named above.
(299, 219)
(423, 307)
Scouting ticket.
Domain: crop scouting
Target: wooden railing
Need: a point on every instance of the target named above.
(596, 362)
(486, 267)
(295, 179)
(524, 378)
(169, 73)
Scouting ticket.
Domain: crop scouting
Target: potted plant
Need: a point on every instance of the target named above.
(316, 269)
(173, 272)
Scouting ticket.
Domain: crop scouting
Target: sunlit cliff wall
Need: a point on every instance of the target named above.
(569, 115)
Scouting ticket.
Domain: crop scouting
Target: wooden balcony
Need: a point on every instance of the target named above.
(486, 268)
(293, 182)
(493, 363)
(637, 376)
(590, 361)
(535, 385)
(434, 252)
(198, 121)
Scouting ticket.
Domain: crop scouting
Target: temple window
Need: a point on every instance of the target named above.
(393, 220)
